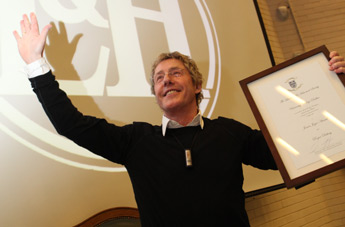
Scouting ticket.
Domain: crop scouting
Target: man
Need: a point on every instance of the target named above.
(186, 172)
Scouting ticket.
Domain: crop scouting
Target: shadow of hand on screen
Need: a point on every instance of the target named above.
(60, 52)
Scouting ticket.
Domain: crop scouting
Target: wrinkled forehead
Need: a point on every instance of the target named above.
(168, 65)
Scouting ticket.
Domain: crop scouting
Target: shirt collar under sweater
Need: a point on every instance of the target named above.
(168, 123)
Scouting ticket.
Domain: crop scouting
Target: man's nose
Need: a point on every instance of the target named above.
(167, 79)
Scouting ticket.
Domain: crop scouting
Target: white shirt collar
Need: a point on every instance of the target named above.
(168, 123)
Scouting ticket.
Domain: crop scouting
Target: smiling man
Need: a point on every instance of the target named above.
(176, 82)
(185, 172)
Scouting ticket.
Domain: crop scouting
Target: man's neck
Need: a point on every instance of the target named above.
(183, 118)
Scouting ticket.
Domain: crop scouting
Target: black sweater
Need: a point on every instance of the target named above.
(167, 193)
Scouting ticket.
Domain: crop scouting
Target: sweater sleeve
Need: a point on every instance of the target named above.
(254, 149)
(94, 134)
(257, 152)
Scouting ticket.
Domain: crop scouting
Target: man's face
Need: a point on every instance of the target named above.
(174, 88)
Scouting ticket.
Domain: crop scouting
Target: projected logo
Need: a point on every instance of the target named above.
(101, 53)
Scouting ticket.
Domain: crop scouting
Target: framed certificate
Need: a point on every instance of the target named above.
(300, 108)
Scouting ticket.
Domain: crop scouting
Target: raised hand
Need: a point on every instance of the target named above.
(31, 43)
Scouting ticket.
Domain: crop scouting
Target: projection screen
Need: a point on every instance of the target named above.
(101, 52)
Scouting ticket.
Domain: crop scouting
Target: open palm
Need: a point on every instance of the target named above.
(31, 43)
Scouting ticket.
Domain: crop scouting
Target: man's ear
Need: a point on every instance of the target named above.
(198, 88)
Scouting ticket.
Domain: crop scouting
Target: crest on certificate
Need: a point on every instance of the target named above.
(293, 84)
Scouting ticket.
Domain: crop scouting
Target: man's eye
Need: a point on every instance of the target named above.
(159, 78)
(176, 73)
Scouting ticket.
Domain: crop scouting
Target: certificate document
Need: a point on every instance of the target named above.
(301, 105)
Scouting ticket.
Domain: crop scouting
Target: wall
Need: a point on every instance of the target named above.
(310, 23)
(282, 33)
(321, 203)
(269, 27)
(320, 23)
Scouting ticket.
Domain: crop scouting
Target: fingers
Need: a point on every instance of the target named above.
(334, 57)
(33, 27)
(339, 69)
(23, 30)
(335, 60)
(31, 43)
(22, 27)
(26, 22)
(34, 23)
(337, 66)
(45, 30)
(54, 31)
(16, 35)
(333, 54)
(337, 63)
(26, 26)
